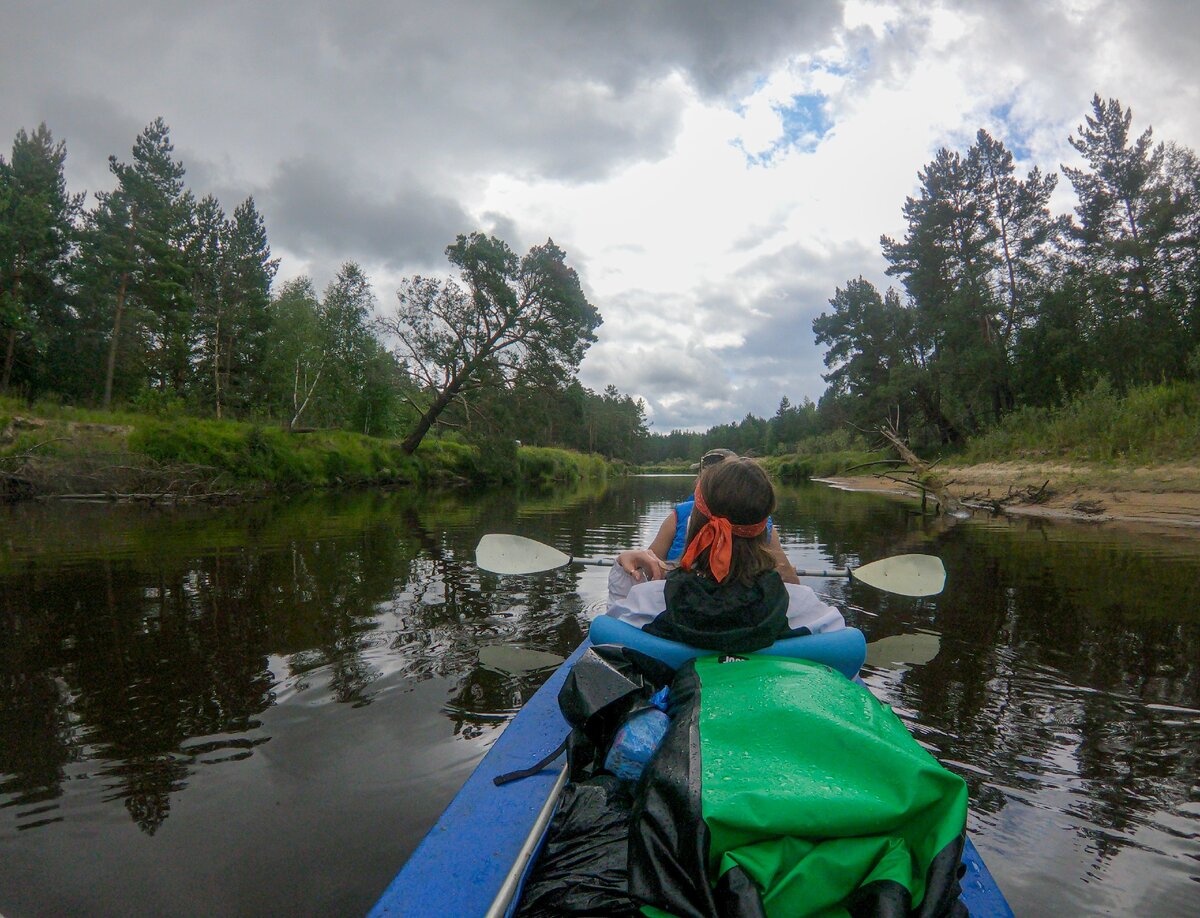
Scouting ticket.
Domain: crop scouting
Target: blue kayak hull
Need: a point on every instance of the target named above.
(486, 838)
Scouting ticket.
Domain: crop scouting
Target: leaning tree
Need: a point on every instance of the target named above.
(510, 316)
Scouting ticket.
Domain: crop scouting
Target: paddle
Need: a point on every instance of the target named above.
(907, 575)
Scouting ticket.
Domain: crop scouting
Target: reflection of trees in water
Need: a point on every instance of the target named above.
(1054, 659)
(152, 658)
(35, 731)
(155, 662)
(128, 660)
(143, 662)
(451, 608)
(328, 591)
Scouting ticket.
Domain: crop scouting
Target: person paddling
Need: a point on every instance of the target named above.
(669, 541)
(727, 593)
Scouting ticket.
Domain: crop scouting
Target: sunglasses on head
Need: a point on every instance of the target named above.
(712, 459)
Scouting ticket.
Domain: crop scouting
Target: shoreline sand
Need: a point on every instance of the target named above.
(1144, 497)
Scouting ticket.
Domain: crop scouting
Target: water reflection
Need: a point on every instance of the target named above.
(1067, 693)
(343, 653)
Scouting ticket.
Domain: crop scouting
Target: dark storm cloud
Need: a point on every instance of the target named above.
(309, 206)
(93, 128)
(366, 130)
(566, 90)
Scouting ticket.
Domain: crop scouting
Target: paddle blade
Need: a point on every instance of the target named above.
(908, 575)
(903, 650)
(513, 554)
(512, 660)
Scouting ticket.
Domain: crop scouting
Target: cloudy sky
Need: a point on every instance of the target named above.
(713, 170)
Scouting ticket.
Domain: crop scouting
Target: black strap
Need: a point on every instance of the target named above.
(501, 780)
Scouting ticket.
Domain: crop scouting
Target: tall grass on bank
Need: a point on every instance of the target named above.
(1146, 426)
(543, 465)
(821, 457)
(119, 451)
(272, 456)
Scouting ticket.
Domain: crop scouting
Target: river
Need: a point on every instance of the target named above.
(261, 709)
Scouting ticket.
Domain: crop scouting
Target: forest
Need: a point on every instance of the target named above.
(157, 300)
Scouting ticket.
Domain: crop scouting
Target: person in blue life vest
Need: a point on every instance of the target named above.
(669, 541)
(727, 593)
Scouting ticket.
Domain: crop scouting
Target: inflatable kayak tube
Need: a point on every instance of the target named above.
(844, 650)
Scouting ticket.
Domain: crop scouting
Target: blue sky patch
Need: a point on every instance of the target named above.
(1014, 135)
(804, 121)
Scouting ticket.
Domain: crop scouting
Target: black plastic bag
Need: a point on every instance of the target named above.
(583, 867)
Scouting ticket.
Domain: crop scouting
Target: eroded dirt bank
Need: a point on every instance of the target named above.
(1162, 495)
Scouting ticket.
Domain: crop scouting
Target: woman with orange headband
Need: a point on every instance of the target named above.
(726, 594)
(671, 538)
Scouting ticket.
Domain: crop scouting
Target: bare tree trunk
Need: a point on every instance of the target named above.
(116, 339)
(10, 351)
(413, 440)
(217, 366)
(925, 478)
(9, 356)
(307, 395)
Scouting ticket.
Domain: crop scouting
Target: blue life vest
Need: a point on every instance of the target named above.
(682, 512)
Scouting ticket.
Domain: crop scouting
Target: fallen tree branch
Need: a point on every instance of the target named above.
(31, 452)
(923, 474)
(152, 497)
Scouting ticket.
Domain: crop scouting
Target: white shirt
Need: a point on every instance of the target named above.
(638, 604)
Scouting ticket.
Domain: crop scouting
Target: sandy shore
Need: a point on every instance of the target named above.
(1159, 496)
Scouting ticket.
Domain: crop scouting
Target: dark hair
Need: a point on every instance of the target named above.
(739, 490)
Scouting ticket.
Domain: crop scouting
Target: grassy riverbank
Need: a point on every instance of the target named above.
(1103, 457)
(58, 450)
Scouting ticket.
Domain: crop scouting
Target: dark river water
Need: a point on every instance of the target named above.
(260, 710)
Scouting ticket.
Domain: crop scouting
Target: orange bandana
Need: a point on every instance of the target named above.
(717, 536)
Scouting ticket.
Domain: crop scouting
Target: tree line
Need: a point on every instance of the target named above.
(157, 299)
(1003, 304)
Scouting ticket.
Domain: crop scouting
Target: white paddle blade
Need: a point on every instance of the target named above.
(908, 575)
(513, 554)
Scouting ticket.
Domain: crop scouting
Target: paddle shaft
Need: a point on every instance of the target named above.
(608, 562)
(905, 575)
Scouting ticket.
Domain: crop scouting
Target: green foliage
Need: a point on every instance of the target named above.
(271, 455)
(158, 300)
(158, 402)
(545, 466)
(1007, 306)
(514, 318)
(37, 230)
(821, 456)
(1148, 425)
(1194, 364)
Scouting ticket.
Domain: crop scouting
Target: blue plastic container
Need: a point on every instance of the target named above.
(638, 739)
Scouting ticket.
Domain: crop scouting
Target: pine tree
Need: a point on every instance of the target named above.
(250, 270)
(1124, 219)
(518, 318)
(231, 272)
(134, 267)
(37, 232)
(205, 253)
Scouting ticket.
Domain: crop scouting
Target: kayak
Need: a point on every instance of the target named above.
(476, 857)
